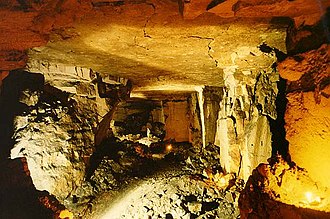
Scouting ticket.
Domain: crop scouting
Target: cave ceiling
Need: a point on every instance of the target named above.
(159, 45)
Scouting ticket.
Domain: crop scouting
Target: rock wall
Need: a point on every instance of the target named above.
(195, 126)
(177, 120)
(178, 115)
(307, 116)
(282, 190)
(55, 132)
(236, 117)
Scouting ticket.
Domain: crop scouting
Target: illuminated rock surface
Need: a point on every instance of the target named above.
(207, 73)
(278, 190)
(169, 194)
(54, 133)
(307, 115)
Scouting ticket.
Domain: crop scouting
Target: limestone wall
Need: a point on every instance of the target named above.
(236, 117)
(308, 111)
(55, 131)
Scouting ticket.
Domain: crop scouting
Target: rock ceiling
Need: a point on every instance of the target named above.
(159, 45)
(167, 47)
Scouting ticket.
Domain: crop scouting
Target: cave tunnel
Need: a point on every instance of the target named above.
(164, 109)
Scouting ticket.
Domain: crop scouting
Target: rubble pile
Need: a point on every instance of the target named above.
(118, 162)
(204, 160)
(172, 194)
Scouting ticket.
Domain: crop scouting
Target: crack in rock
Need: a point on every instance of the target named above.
(145, 34)
(209, 47)
(209, 52)
(136, 43)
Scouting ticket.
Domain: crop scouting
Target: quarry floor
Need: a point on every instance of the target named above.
(169, 192)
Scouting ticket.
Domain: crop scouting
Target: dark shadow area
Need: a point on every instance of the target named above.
(108, 148)
(279, 143)
(13, 85)
(308, 37)
(141, 160)
(307, 213)
(19, 199)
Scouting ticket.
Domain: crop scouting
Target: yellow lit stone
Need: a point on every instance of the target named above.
(66, 214)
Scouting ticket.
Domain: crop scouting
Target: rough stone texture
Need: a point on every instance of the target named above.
(27, 24)
(151, 44)
(157, 37)
(307, 115)
(165, 60)
(307, 71)
(278, 190)
(56, 132)
(205, 161)
(253, 8)
(116, 166)
(169, 118)
(195, 121)
(235, 118)
(54, 144)
(56, 166)
(308, 33)
(177, 120)
(170, 194)
(308, 133)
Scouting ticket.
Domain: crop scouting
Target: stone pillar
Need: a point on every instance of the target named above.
(235, 119)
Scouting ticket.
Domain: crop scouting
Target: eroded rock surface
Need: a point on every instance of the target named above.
(307, 114)
(280, 190)
(55, 130)
(235, 118)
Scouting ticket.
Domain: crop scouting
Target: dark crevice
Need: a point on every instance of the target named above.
(209, 53)
(19, 199)
(265, 48)
(209, 47)
(253, 97)
(279, 143)
(254, 94)
(109, 148)
(214, 3)
(278, 53)
(181, 6)
(145, 34)
(307, 82)
(234, 125)
(209, 206)
(107, 3)
(169, 216)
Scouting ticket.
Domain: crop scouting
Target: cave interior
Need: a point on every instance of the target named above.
(146, 109)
